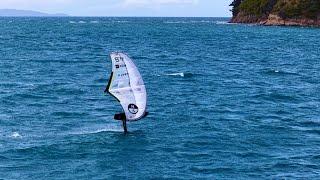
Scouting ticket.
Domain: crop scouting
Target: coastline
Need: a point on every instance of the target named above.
(275, 20)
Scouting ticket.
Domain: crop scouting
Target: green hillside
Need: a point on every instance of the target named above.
(283, 8)
(297, 8)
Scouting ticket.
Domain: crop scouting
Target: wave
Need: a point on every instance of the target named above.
(208, 170)
(187, 22)
(101, 80)
(176, 74)
(31, 96)
(66, 114)
(280, 72)
(15, 135)
(120, 21)
(108, 128)
(79, 22)
(180, 74)
(311, 122)
(95, 22)
(224, 23)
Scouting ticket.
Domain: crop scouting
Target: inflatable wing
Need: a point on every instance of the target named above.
(127, 86)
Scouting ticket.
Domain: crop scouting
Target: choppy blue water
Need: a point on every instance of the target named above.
(225, 100)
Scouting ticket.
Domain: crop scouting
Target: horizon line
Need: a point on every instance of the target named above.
(64, 14)
(87, 16)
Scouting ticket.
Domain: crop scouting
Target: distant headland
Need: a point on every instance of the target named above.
(277, 12)
(26, 13)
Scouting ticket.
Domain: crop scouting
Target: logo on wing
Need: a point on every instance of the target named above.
(120, 66)
(133, 109)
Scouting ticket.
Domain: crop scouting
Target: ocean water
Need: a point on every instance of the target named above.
(226, 101)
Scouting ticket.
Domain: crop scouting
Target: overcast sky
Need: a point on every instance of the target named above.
(208, 8)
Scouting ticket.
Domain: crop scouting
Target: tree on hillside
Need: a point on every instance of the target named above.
(235, 4)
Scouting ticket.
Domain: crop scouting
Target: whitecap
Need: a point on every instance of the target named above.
(187, 22)
(120, 21)
(176, 22)
(176, 74)
(109, 128)
(202, 21)
(94, 22)
(82, 22)
(16, 135)
(224, 23)
(72, 22)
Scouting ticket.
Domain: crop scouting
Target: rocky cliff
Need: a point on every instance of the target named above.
(277, 12)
